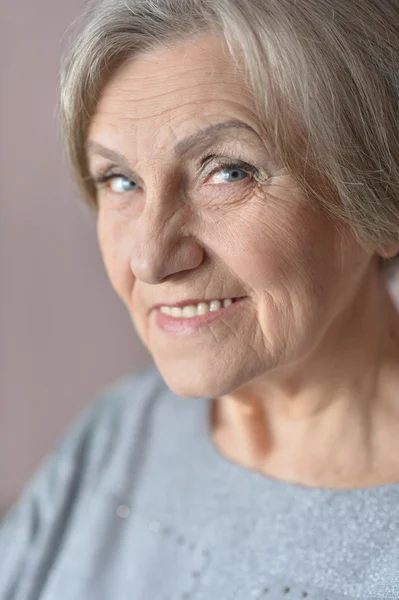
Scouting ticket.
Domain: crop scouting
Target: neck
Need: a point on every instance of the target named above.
(331, 419)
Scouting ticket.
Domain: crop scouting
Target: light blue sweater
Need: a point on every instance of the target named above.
(136, 503)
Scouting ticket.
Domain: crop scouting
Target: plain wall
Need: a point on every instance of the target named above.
(64, 334)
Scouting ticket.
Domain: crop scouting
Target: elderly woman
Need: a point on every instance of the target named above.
(242, 161)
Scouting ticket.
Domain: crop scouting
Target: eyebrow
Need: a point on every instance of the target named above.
(209, 135)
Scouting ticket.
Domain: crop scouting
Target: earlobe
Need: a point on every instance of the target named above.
(389, 250)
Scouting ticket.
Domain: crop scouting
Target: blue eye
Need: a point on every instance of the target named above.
(117, 183)
(120, 184)
(230, 174)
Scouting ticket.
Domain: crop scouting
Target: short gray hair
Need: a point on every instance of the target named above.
(325, 79)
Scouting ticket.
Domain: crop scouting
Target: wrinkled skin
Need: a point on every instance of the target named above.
(316, 316)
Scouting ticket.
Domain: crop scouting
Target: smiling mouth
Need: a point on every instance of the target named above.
(195, 310)
(194, 318)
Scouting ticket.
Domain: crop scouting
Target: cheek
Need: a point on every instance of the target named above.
(286, 256)
(269, 244)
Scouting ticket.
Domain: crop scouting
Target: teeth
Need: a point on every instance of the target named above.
(194, 310)
(215, 305)
(202, 308)
(189, 311)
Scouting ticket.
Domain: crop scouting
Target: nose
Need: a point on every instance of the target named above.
(161, 247)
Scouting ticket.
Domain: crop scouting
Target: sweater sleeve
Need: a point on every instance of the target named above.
(31, 532)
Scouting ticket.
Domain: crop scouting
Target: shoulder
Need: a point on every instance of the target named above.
(92, 451)
(111, 421)
(86, 450)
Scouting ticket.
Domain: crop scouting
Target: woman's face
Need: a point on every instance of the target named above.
(192, 217)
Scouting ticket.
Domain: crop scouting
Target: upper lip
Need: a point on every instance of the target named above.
(191, 301)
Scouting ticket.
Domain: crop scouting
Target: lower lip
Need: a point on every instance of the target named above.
(193, 324)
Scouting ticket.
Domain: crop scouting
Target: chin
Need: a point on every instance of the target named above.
(208, 379)
(187, 382)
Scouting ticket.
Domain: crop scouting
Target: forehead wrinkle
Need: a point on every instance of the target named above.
(174, 66)
(186, 94)
(161, 73)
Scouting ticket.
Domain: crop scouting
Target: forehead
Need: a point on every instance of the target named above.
(174, 91)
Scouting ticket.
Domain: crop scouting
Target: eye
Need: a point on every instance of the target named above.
(229, 175)
(120, 184)
(228, 171)
(116, 183)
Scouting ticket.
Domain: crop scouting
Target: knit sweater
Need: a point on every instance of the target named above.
(135, 502)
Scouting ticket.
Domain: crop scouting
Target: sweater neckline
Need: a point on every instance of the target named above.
(228, 469)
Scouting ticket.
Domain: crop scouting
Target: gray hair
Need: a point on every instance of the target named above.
(325, 79)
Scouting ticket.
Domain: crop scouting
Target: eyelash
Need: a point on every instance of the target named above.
(254, 174)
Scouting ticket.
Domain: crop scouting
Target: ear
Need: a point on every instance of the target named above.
(388, 250)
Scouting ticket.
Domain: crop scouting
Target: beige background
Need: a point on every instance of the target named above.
(64, 332)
